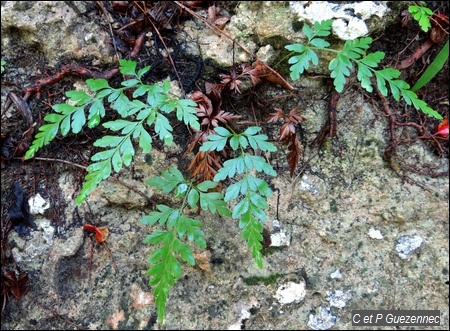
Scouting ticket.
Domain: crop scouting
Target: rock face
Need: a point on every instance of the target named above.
(54, 29)
(355, 236)
(259, 24)
(350, 20)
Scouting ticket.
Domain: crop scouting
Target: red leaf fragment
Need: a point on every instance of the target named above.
(275, 117)
(442, 128)
(271, 75)
(294, 148)
(288, 134)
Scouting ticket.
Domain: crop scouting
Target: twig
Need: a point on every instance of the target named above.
(69, 69)
(411, 59)
(332, 105)
(138, 44)
(79, 327)
(107, 15)
(111, 257)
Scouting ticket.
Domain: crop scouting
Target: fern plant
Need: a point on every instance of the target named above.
(353, 52)
(252, 192)
(165, 267)
(147, 109)
(135, 119)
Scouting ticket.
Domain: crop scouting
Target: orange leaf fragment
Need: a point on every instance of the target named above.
(101, 233)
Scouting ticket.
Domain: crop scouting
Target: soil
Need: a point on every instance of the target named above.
(69, 153)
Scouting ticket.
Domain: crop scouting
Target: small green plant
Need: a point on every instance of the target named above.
(354, 52)
(3, 62)
(422, 15)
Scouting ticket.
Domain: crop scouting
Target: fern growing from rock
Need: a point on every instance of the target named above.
(165, 268)
(252, 192)
(136, 117)
(353, 52)
(148, 109)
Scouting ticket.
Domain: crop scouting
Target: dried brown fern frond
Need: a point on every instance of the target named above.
(294, 148)
(204, 166)
(288, 134)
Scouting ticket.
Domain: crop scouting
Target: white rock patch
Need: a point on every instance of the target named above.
(291, 292)
(38, 205)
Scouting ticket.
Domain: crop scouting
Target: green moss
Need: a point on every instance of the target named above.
(257, 280)
(333, 206)
(327, 145)
(271, 249)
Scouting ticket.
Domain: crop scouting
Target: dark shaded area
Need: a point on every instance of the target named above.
(188, 66)
(18, 213)
(71, 274)
(15, 215)
(137, 21)
(6, 146)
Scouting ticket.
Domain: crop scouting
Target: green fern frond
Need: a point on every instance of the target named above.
(252, 192)
(165, 268)
(341, 66)
(422, 15)
(136, 118)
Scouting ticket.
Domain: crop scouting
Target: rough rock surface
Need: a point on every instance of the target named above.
(54, 30)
